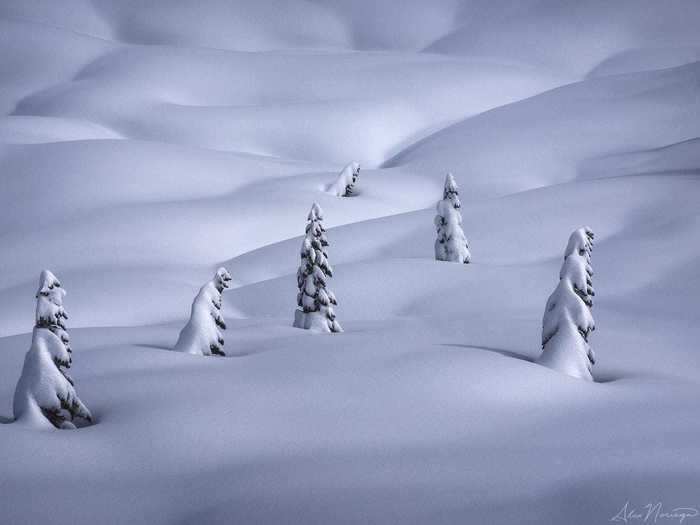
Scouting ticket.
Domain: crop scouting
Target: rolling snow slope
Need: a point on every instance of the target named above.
(144, 144)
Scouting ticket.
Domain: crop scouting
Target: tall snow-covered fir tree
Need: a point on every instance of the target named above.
(315, 299)
(451, 243)
(344, 184)
(45, 395)
(567, 320)
(202, 333)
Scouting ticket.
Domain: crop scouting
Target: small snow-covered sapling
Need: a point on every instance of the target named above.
(45, 394)
(315, 299)
(567, 320)
(202, 335)
(347, 178)
(451, 243)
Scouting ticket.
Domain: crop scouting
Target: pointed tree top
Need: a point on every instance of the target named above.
(223, 277)
(49, 284)
(450, 184)
(316, 213)
(580, 241)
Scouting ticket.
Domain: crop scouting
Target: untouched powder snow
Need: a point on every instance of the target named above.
(143, 145)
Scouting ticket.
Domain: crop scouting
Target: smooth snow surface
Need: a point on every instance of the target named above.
(145, 144)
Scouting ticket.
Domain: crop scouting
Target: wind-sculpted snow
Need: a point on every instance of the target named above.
(336, 105)
(578, 37)
(145, 144)
(547, 139)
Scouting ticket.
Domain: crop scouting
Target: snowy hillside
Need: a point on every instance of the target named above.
(145, 144)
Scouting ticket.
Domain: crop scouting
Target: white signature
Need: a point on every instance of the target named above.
(653, 512)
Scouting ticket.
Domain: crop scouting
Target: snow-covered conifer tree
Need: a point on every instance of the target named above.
(202, 333)
(49, 304)
(45, 394)
(451, 243)
(567, 320)
(315, 299)
(346, 180)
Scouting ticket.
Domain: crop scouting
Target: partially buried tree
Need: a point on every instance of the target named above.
(45, 395)
(202, 335)
(567, 321)
(347, 178)
(451, 243)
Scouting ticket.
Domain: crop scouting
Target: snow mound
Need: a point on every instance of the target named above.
(577, 37)
(566, 128)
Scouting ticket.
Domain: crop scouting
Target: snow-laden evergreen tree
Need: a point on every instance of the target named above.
(567, 320)
(451, 243)
(343, 185)
(45, 395)
(49, 302)
(202, 333)
(315, 299)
